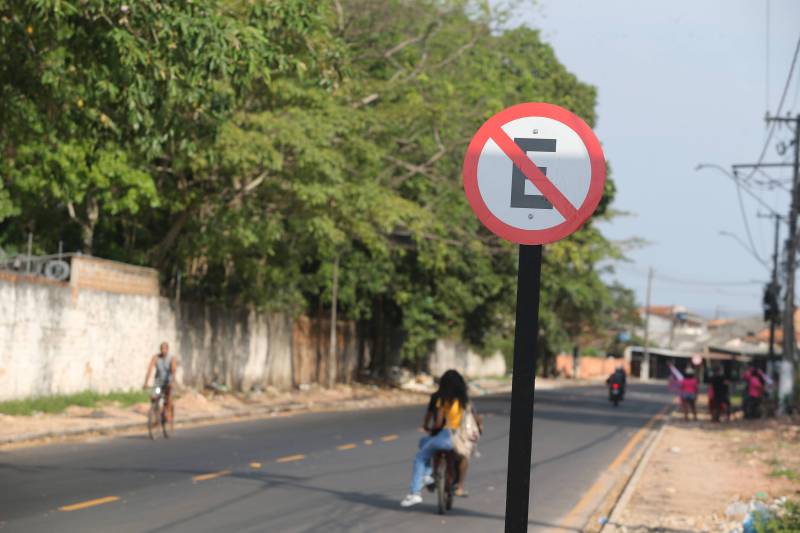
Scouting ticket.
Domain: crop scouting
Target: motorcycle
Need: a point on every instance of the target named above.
(615, 393)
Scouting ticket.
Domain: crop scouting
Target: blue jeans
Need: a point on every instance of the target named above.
(428, 446)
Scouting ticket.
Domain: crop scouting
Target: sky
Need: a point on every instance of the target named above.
(681, 83)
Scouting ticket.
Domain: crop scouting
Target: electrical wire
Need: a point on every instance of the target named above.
(747, 224)
(773, 125)
(684, 281)
(766, 62)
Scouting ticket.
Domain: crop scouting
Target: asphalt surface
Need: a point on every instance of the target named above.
(343, 471)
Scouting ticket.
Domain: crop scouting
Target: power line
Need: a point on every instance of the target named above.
(685, 281)
(773, 125)
(766, 62)
(746, 223)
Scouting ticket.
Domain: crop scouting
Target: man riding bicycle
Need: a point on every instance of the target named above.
(165, 367)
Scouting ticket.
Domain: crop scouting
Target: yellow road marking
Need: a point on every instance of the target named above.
(570, 518)
(255, 465)
(211, 475)
(290, 458)
(368, 442)
(389, 438)
(90, 503)
(347, 447)
(626, 451)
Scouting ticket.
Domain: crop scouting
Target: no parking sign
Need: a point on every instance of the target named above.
(533, 174)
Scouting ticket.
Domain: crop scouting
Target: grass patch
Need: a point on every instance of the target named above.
(787, 521)
(750, 449)
(788, 473)
(57, 403)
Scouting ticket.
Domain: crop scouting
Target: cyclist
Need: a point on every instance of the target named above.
(165, 367)
(449, 404)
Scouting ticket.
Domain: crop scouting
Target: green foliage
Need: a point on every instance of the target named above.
(58, 403)
(249, 146)
(788, 520)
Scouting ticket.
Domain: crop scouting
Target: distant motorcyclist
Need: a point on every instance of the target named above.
(619, 378)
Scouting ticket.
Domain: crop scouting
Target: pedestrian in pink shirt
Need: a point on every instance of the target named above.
(688, 387)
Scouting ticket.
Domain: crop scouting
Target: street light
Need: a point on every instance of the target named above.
(735, 178)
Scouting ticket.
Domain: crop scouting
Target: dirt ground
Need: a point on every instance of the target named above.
(701, 476)
(42, 428)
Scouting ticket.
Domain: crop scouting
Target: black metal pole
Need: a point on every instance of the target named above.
(526, 332)
(773, 317)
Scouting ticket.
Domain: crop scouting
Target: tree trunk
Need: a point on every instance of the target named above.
(332, 348)
(87, 228)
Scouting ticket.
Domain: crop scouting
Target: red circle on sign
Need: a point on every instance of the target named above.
(572, 221)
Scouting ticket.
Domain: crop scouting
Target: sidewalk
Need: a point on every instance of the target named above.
(702, 476)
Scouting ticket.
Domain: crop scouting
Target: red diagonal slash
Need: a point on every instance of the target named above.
(532, 172)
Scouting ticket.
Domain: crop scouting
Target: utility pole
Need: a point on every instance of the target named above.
(645, 371)
(789, 342)
(786, 387)
(773, 289)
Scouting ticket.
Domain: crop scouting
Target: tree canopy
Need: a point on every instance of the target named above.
(250, 146)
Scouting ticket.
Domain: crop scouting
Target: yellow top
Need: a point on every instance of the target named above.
(452, 413)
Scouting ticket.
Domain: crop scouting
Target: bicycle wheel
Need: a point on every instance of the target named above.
(441, 485)
(153, 416)
(450, 486)
(164, 423)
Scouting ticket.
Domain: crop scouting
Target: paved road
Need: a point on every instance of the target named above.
(313, 472)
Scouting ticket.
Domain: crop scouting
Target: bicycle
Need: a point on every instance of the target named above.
(446, 478)
(158, 414)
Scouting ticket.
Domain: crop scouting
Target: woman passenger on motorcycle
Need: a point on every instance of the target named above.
(452, 397)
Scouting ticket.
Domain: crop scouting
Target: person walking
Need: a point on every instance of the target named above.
(754, 386)
(719, 395)
(688, 388)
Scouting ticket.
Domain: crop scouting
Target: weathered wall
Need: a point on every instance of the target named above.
(589, 367)
(452, 354)
(60, 338)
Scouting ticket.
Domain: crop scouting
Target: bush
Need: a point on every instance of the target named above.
(787, 521)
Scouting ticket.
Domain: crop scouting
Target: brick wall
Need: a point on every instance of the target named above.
(88, 272)
(590, 367)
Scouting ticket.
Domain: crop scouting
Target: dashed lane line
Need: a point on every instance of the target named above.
(210, 475)
(344, 447)
(389, 438)
(89, 503)
(290, 458)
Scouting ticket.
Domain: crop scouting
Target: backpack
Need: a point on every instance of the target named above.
(465, 438)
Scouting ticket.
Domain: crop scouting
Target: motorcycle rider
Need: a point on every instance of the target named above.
(619, 377)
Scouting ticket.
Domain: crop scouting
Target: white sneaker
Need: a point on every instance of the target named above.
(428, 480)
(411, 499)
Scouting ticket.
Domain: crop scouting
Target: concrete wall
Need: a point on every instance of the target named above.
(453, 354)
(58, 338)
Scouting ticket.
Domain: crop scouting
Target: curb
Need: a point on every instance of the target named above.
(632, 483)
(192, 420)
(223, 417)
(621, 493)
(290, 407)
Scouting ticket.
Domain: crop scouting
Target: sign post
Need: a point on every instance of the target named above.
(531, 200)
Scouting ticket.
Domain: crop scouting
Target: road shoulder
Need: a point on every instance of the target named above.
(702, 476)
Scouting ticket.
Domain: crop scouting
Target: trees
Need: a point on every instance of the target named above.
(255, 148)
(105, 104)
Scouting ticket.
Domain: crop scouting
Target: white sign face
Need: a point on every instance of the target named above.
(568, 168)
(534, 173)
